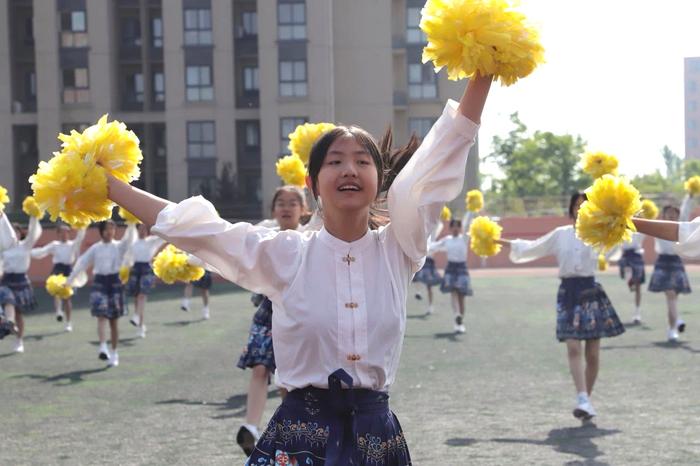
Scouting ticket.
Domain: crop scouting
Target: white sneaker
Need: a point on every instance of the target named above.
(142, 331)
(60, 315)
(185, 306)
(584, 411)
(637, 319)
(113, 359)
(456, 328)
(19, 346)
(430, 310)
(673, 335)
(205, 313)
(462, 329)
(69, 327)
(104, 352)
(134, 320)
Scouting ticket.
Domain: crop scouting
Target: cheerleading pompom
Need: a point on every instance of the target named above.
(302, 139)
(484, 37)
(31, 208)
(484, 234)
(602, 263)
(56, 286)
(80, 225)
(4, 198)
(649, 210)
(598, 164)
(124, 273)
(605, 219)
(474, 200)
(171, 265)
(128, 216)
(445, 214)
(292, 171)
(692, 185)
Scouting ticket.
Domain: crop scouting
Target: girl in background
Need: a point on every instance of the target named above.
(428, 274)
(632, 264)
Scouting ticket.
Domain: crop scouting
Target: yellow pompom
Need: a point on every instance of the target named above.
(605, 219)
(485, 37)
(474, 200)
(31, 208)
(484, 234)
(602, 263)
(80, 225)
(4, 198)
(124, 273)
(171, 265)
(109, 144)
(445, 214)
(292, 171)
(56, 286)
(302, 139)
(692, 185)
(128, 216)
(649, 210)
(598, 164)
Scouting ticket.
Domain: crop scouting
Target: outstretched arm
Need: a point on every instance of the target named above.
(662, 229)
(143, 205)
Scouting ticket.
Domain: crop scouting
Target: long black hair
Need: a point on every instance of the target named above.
(574, 199)
(102, 226)
(388, 162)
(20, 229)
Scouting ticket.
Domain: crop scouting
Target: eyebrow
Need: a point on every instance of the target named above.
(357, 152)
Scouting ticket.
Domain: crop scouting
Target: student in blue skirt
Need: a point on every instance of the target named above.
(632, 268)
(338, 294)
(584, 312)
(204, 285)
(428, 274)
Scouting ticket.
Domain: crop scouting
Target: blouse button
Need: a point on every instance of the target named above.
(351, 305)
(354, 357)
(348, 259)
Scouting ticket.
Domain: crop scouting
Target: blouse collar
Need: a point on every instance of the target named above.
(343, 246)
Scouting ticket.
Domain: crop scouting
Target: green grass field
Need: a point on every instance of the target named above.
(499, 395)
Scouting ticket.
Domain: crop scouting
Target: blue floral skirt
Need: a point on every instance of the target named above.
(259, 350)
(204, 283)
(61, 269)
(107, 297)
(669, 274)
(633, 261)
(457, 279)
(336, 427)
(16, 289)
(428, 274)
(141, 279)
(584, 311)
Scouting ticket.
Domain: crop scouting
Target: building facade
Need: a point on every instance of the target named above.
(211, 87)
(692, 112)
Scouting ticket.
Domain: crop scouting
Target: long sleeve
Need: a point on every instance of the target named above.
(689, 238)
(467, 221)
(522, 251)
(434, 176)
(33, 234)
(686, 207)
(259, 259)
(83, 263)
(437, 246)
(127, 240)
(8, 237)
(44, 251)
(78, 242)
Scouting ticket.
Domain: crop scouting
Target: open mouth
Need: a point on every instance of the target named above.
(349, 187)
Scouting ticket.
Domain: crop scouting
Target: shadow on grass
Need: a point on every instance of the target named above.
(418, 316)
(571, 440)
(183, 323)
(636, 326)
(461, 442)
(451, 336)
(67, 378)
(129, 342)
(233, 407)
(41, 336)
(679, 345)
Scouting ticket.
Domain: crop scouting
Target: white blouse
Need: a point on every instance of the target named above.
(457, 247)
(575, 259)
(62, 252)
(144, 249)
(663, 246)
(635, 243)
(105, 258)
(17, 257)
(336, 304)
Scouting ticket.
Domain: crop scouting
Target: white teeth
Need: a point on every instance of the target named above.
(349, 188)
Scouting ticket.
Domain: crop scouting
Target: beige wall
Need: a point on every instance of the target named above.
(692, 108)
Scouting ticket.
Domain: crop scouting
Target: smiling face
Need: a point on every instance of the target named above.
(62, 233)
(287, 208)
(670, 213)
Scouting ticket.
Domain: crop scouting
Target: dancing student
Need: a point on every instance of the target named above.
(63, 252)
(16, 292)
(428, 274)
(107, 294)
(584, 312)
(632, 265)
(339, 294)
(288, 206)
(141, 276)
(456, 280)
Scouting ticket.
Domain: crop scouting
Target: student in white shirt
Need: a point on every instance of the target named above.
(16, 292)
(632, 265)
(107, 294)
(428, 274)
(669, 276)
(64, 252)
(339, 294)
(141, 276)
(456, 280)
(584, 312)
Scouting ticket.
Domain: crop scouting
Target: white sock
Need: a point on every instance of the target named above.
(103, 347)
(430, 308)
(582, 398)
(186, 302)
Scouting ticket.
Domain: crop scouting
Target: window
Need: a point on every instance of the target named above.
(692, 125)
(201, 140)
(693, 143)
(695, 65)
(287, 126)
(73, 29)
(421, 81)
(249, 24)
(420, 126)
(134, 88)
(414, 35)
(198, 27)
(293, 78)
(158, 86)
(291, 20)
(130, 31)
(693, 105)
(157, 32)
(252, 135)
(76, 86)
(30, 85)
(250, 79)
(66, 128)
(692, 86)
(198, 81)
(29, 30)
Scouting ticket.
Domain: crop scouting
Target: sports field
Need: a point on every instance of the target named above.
(499, 395)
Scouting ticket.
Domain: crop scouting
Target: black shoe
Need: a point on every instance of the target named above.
(681, 328)
(458, 320)
(103, 356)
(7, 328)
(184, 309)
(59, 317)
(245, 440)
(418, 296)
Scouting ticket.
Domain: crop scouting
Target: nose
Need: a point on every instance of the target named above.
(349, 169)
